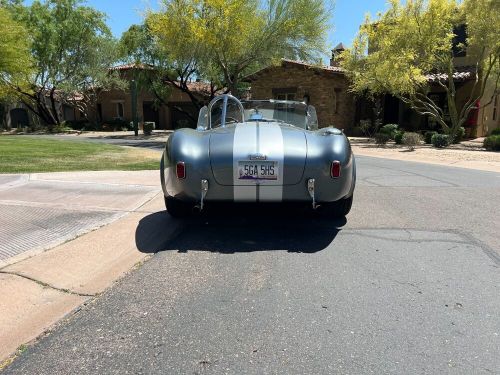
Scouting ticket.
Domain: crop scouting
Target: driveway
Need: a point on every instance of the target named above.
(39, 211)
(409, 284)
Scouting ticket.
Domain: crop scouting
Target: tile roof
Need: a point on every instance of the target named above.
(336, 69)
(461, 74)
(203, 88)
(132, 66)
(302, 64)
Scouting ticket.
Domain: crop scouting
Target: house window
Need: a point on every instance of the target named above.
(99, 112)
(336, 94)
(286, 93)
(119, 110)
(285, 96)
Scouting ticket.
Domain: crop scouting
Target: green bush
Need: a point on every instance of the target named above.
(495, 131)
(77, 124)
(411, 140)
(428, 136)
(115, 124)
(382, 138)
(60, 128)
(389, 129)
(366, 128)
(398, 137)
(460, 135)
(440, 140)
(148, 128)
(492, 143)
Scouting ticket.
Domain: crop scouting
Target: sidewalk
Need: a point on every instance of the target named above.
(38, 288)
(469, 154)
(39, 211)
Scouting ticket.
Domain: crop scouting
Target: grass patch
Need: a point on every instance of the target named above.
(20, 154)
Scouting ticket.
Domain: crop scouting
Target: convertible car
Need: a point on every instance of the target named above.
(258, 151)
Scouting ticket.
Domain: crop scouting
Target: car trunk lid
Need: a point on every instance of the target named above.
(261, 143)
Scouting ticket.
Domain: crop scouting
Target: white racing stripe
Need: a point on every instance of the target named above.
(244, 144)
(266, 139)
(271, 144)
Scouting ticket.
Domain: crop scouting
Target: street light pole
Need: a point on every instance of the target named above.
(133, 91)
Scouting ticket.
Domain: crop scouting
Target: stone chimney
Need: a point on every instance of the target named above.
(335, 60)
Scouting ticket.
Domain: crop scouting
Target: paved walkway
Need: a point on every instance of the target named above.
(40, 211)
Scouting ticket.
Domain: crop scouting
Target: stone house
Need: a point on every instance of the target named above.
(324, 87)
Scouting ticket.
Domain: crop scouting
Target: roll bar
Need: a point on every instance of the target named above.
(225, 98)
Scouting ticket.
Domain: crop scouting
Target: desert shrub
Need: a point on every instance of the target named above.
(428, 136)
(59, 128)
(495, 131)
(492, 143)
(148, 127)
(389, 129)
(382, 138)
(115, 124)
(398, 137)
(76, 124)
(366, 128)
(460, 135)
(440, 140)
(411, 140)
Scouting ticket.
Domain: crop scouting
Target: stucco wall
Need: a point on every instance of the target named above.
(109, 99)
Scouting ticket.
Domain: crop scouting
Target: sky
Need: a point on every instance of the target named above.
(346, 19)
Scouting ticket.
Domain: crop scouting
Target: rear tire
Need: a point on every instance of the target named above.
(337, 209)
(178, 208)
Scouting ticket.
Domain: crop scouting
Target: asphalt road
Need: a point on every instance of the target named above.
(410, 284)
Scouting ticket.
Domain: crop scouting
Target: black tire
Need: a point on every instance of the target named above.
(337, 209)
(177, 208)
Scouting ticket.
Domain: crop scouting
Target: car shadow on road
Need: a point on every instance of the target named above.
(230, 232)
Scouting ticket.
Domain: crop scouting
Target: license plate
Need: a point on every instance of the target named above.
(258, 170)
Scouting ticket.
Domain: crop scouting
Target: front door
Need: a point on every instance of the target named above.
(151, 114)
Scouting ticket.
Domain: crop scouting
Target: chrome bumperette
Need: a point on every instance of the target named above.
(204, 191)
(311, 191)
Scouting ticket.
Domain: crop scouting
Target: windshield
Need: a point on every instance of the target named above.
(232, 113)
(293, 113)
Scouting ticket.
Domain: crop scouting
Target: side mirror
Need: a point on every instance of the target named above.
(202, 119)
(312, 118)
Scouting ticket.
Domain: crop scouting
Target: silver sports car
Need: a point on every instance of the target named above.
(258, 151)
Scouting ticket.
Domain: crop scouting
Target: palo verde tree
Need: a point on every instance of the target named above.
(158, 73)
(15, 58)
(396, 53)
(221, 41)
(67, 45)
(155, 72)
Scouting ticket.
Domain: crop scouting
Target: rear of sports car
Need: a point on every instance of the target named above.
(258, 162)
